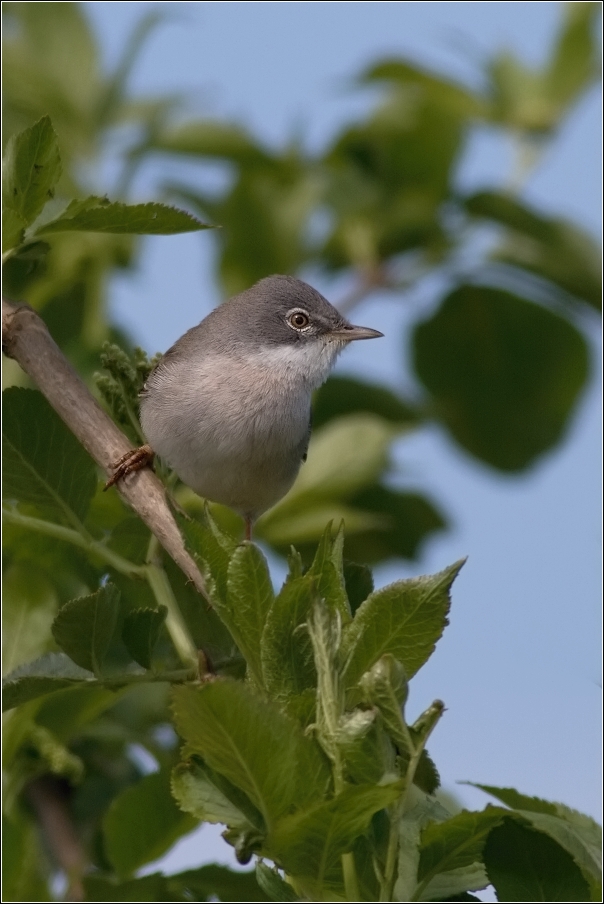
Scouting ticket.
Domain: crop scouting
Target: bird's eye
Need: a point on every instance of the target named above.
(298, 319)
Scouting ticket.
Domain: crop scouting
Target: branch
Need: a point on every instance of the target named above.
(48, 797)
(25, 338)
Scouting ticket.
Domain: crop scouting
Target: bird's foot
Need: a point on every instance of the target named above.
(134, 460)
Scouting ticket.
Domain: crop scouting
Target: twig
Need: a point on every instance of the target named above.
(48, 797)
(25, 338)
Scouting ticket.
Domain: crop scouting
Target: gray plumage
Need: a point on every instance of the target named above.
(228, 406)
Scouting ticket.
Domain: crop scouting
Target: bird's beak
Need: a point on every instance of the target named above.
(350, 332)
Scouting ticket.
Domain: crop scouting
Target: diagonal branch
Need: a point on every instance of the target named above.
(25, 338)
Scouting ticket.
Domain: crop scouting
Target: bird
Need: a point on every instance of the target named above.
(228, 406)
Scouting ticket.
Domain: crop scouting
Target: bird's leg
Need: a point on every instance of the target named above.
(248, 528)
(132, 461)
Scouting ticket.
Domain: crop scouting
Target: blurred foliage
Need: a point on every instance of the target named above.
(500, 362)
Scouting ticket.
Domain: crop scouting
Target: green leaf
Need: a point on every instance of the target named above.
(405, 618)
(525, 865)
(142, 823)
(29, 604)
(270, 881)
(551, 249)
(420, 812)
(207, 630)
(310, 843)
(146, 888)
(577, 833)
(385, 687)
(252, 744)
(441, 91)
(574, 63)
(208, 138)
(84, 627)
(249, 599)
(504, 374)
(210, 797)
(287, 659)
(327, 571)
(214, 882)
(341, 396)
(212, 549)
(344, 456)
(358, 580)
(50, 672)
(31, 169)
(44, 464)
(140, 633)
(23, 859)
(101, 215)
(455, 844)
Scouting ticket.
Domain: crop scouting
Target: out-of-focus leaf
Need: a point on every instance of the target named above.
(525, 865)
(50, 672)
(214, 882)
(29, 604)
(283, 528)
(141, 631)
(407, 520)
(551, 249)
(208, 138)
(44, 464)
(440, 90)
(84, 627)
(345, 395)
(146, 888)
(311, 842)
(574, 62)
(210, 797)
(278, 200)
(504, 374)
(405, 618)
(142, 823)
(101, 215)
(343, 457)
(536, 100)
(67, 711)
(252, 744)
(31, 169)
(23, 859)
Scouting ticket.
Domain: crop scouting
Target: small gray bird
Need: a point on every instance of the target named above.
(228, 406)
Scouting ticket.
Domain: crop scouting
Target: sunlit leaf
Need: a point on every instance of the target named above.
(101, 215)
(252, 744)
(405, 619)
(31, 169)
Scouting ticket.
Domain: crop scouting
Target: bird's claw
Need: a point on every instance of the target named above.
(134, 460)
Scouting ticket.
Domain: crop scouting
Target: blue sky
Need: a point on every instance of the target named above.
(519, 666)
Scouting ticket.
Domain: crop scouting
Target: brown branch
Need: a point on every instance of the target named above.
(48, 797)
(25, 338)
